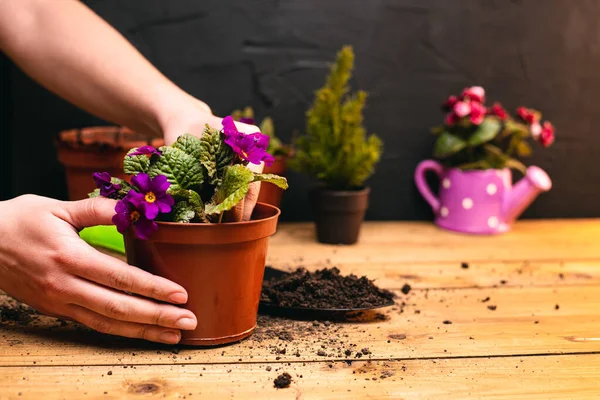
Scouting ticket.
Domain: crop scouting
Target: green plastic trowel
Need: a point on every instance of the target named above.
(104, 236)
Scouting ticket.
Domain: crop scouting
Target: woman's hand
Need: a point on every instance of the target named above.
(45, 264)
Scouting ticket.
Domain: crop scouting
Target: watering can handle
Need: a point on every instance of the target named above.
(421, 182)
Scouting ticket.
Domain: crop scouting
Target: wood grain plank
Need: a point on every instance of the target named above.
(408, 242)
(525, 321)
(481, 274)
(535, 378)
(444, 274)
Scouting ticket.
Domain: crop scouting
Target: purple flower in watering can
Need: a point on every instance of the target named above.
(479, 201)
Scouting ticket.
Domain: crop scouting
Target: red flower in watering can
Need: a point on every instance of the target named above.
(475, 150)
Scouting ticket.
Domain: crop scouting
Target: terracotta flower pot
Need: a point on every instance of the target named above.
(96, 149)
(270, 193)
(220, 265)
(339, 214)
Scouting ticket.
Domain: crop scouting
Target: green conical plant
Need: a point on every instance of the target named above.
(335, 148)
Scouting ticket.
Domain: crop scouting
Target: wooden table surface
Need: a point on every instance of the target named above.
(522, 321)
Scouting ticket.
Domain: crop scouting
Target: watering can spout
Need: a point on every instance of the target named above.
(516, 200)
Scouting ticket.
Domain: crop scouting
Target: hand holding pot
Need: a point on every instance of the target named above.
(45, 264)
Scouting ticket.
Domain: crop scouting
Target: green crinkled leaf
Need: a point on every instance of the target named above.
(233, 188)
(183, 212)
(487, 130)
(182, 170)
(192, 198)
(272, 178)
(448, 144)
(190, 144)
(135, 164)
(215, 154)
(95, 193)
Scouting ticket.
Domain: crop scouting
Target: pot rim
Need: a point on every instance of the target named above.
(343, 193)
(226, 233)
(229, 224)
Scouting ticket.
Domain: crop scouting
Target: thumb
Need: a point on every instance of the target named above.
(90, 212)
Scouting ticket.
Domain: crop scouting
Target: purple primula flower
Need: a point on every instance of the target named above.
(249, 121)
(151, 197)
(103, 181)
(145, 151)
(128, 216)
(252, 147)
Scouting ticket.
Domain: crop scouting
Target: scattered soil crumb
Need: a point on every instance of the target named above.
(386, 374)
(283, 381)
(447, 322)
(485, 300)
(406, 288)
(556, 307)
(493, 308)
(464, 265)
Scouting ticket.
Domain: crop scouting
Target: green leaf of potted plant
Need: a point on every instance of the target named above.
(336, 151)
(476, 149)
(269, 193)
(174, 217)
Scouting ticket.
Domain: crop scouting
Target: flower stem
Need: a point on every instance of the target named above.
(220, 217)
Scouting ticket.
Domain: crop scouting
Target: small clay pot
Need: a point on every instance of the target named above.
(270, 193)
(96, 149)
(220, 265)
(339, 214)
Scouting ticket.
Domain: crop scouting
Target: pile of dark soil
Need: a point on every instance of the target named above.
(17, 313)
(324, 288)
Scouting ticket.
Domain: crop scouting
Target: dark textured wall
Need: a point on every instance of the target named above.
(410, 56)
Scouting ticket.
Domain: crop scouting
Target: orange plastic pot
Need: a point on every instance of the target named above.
(270, 193)
(220, 265)
(96, 149)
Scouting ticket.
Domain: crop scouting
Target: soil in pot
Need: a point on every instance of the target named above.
(220, 265)
(339, 214)
(96, 149)
(270, 193)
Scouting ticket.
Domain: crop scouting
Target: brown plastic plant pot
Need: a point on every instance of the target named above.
(221, 266)
(339, 214)
(96, 149)
(270, 193)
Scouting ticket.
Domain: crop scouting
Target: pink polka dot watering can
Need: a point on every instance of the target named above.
(479, 201)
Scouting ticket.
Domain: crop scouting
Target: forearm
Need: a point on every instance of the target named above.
(74, 53)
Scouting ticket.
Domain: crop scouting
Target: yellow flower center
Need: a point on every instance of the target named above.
(134, 216)
(150, 197)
